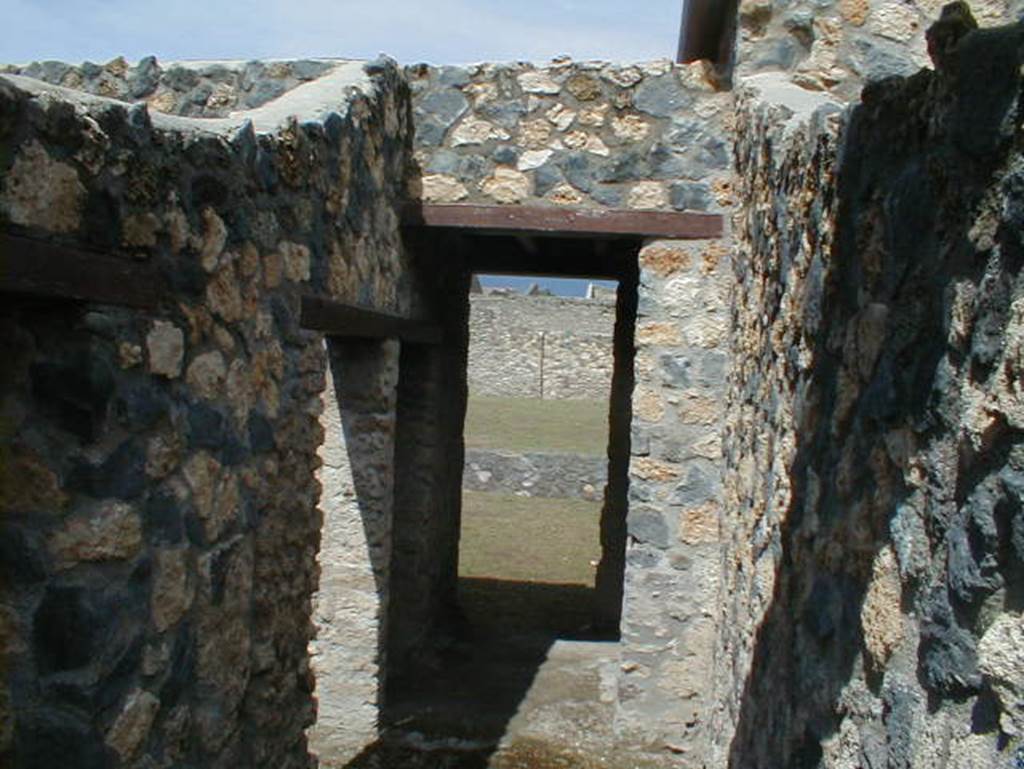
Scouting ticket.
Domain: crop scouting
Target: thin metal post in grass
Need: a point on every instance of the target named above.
(543, 337)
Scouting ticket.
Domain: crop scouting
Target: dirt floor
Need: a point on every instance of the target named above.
(527, 685)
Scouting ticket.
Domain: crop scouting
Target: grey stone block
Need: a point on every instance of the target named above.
(505, 155)
(608, 195)
(662, 96)
(546, 178)
(698, 487)
(144, 78)
(647, 525)
(443, 106)
(690, 196)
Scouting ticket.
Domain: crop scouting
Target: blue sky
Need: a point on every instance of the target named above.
(559, 286)
(438, 31)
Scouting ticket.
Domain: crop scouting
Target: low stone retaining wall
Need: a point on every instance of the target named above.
(535, 474)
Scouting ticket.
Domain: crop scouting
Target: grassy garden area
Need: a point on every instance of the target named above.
(520, 424)
(532, 539)
(529, 538)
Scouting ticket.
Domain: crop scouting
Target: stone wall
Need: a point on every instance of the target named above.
(350, 610)
(432, 394)
(870, 611)
(540, 347)
(536, 474)
(191, 89)
(159, 498)
(823, 551)
(674, 497)
(839, 45)
(588, 134)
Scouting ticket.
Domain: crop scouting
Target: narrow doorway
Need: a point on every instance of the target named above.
(540, 368)
(530, 625)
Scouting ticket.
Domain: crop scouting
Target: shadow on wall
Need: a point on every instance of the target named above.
(886, 461)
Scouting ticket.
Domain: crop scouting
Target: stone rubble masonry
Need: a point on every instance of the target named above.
(675, 498)
(423, 603)
(540, 347)
(825, 550)
(870, 603)
(582, 134)
(652, 136)
(837, 46)
(350, 608)
(161, 512)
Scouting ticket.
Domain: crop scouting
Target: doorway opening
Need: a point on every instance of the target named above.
(540, 367)
(510, 589)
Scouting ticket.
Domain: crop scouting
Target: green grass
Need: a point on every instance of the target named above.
(529, 538)
(520, 424)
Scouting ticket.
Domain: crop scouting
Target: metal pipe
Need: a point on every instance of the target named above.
(703, 30)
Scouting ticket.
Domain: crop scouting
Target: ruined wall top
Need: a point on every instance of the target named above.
(838, 45)
(255, 181)
(189, 89)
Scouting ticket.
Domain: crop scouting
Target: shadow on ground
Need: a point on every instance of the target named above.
(454, 708)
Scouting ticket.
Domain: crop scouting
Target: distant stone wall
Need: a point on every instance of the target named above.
(191, 89)
(161, 514)
(536, 474)
(544, 347)
(872, 578)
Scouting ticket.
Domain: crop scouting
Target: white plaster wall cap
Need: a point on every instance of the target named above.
(776, 88)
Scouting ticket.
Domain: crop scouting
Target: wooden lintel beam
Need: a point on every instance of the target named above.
(41, 268)
(345, 320)
(564, 222)
(562, 257)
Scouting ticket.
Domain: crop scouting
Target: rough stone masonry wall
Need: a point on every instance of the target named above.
(672, 555)
(160, 518)
(588, 134)
(871, 603)
(645, 136)
(839, 45)
(351, 606)
(540, 347)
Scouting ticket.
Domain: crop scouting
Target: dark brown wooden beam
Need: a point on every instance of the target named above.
(559, 257)
(41, 268)
(346, 320)
(564, 222)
